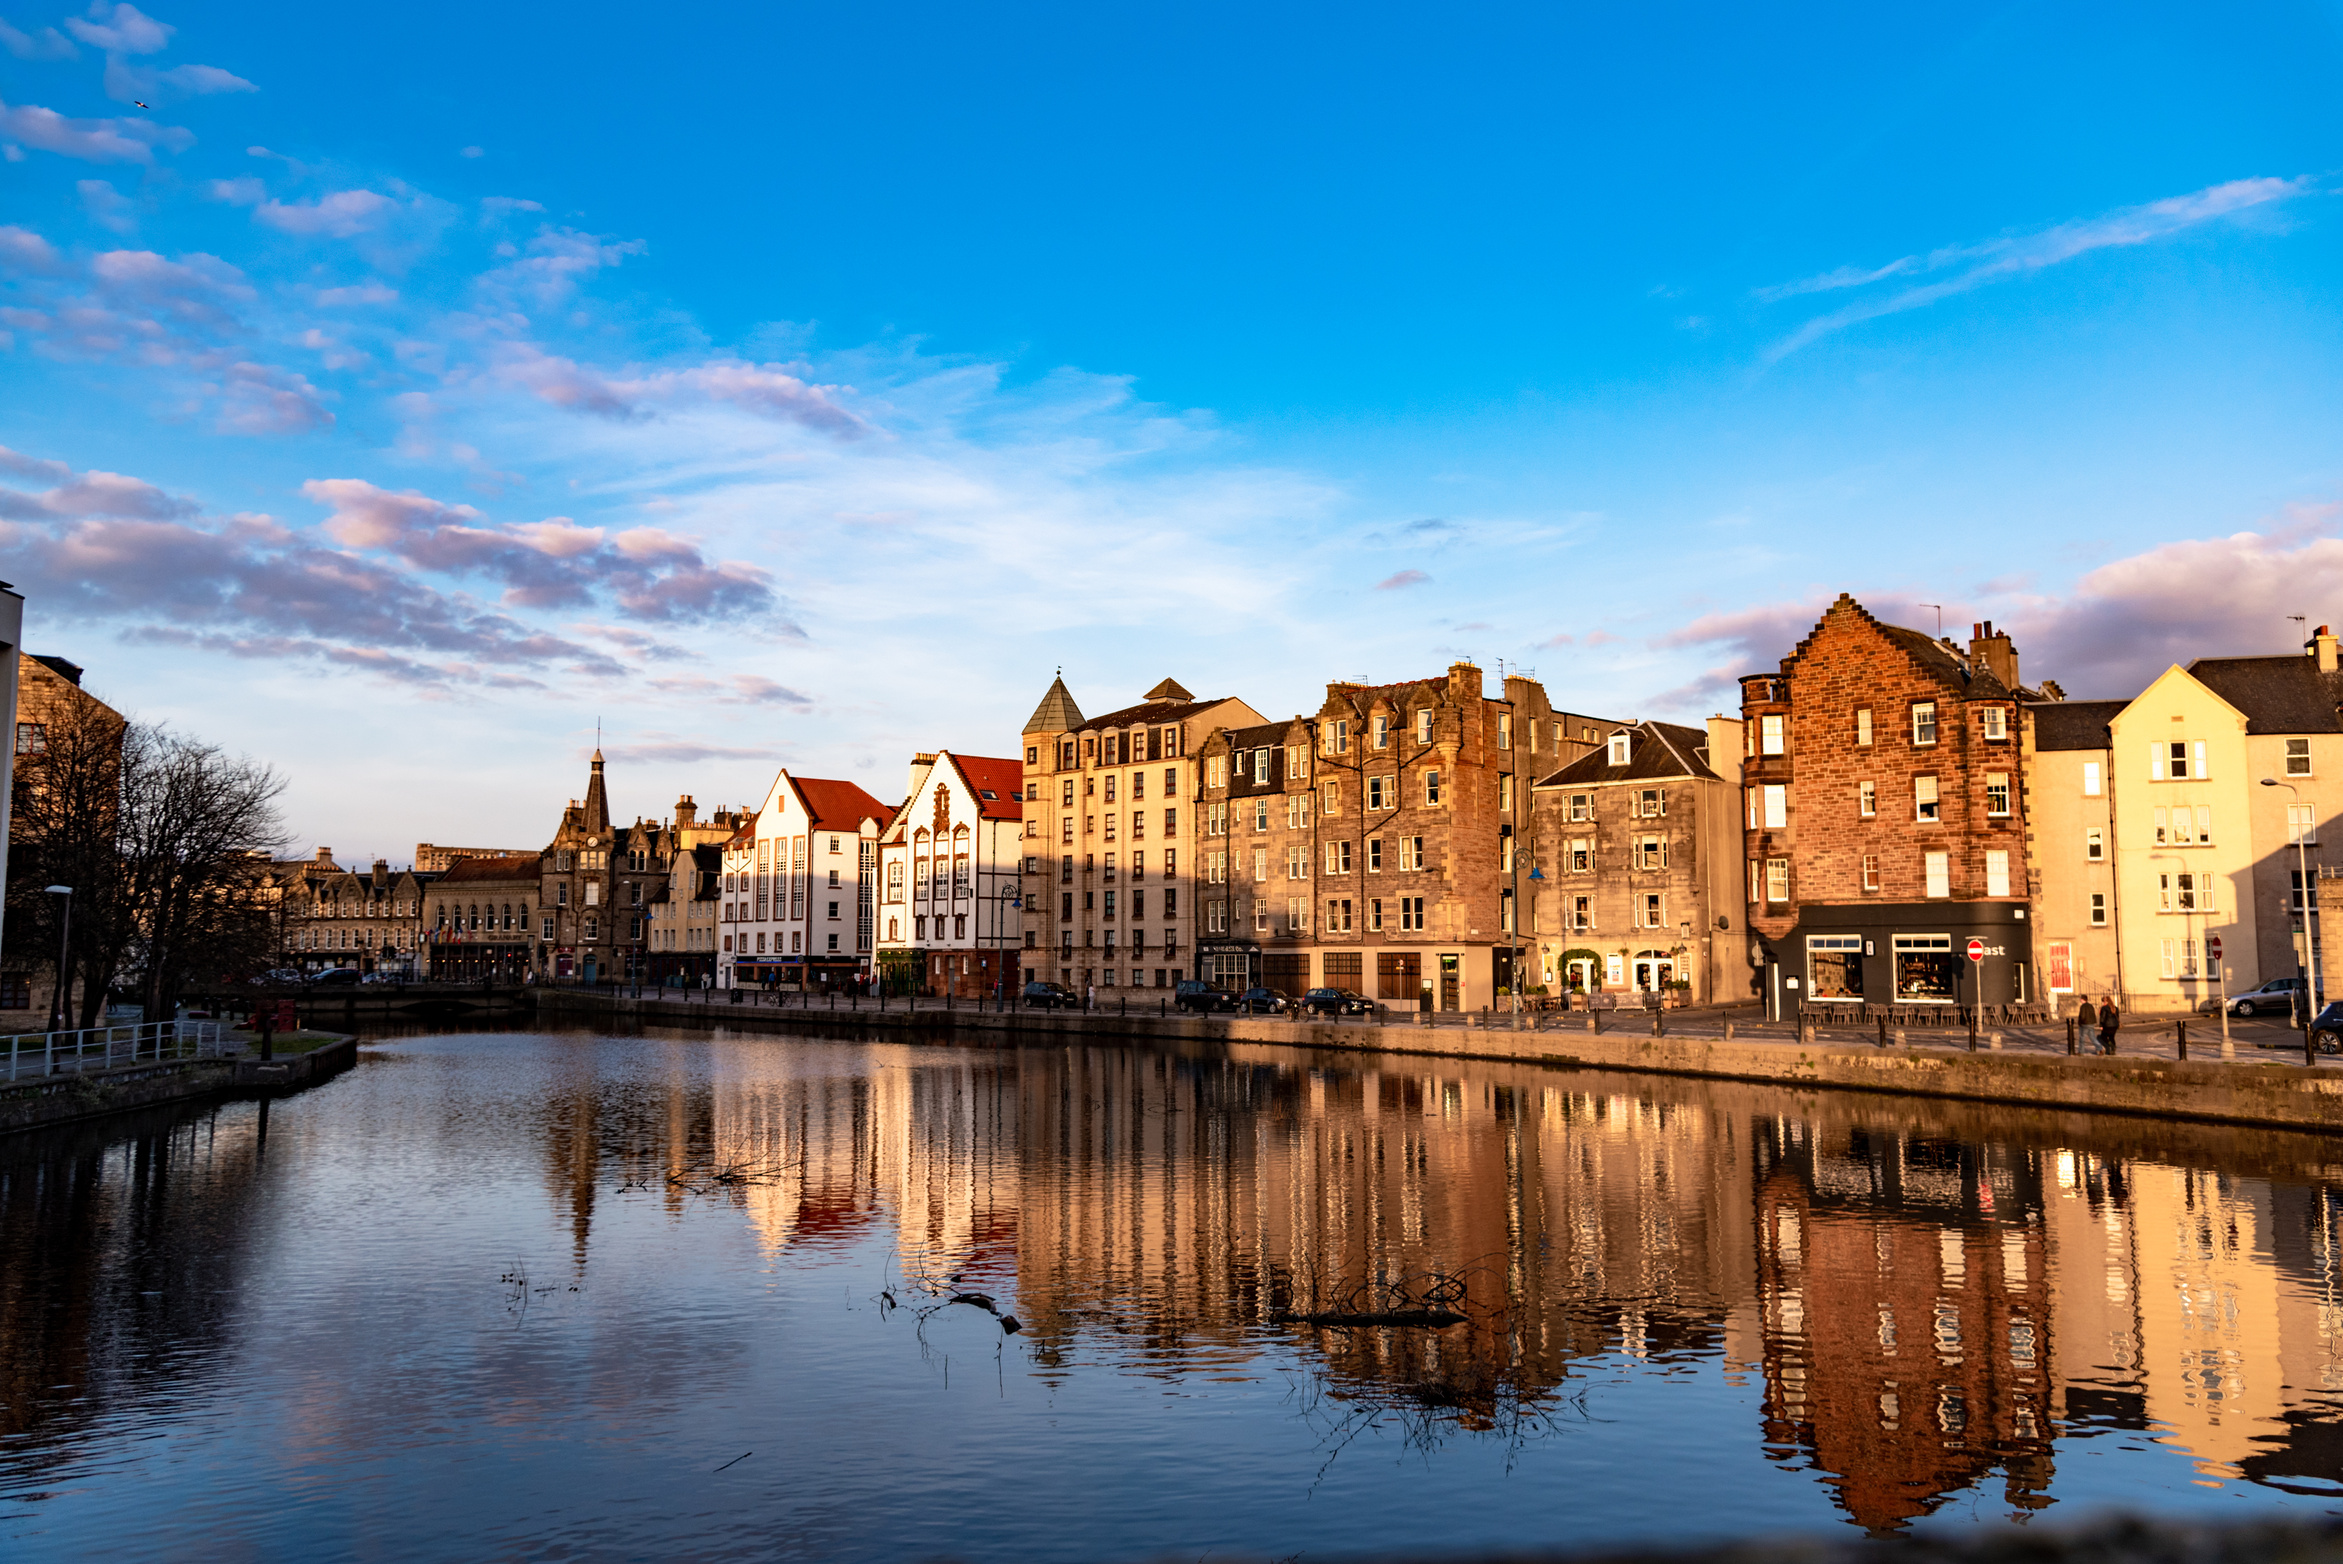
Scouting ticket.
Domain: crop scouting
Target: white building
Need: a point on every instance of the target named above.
(798, 882)
(949, 915)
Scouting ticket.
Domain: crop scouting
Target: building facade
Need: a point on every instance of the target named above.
(950, 914)
(432, 858)
(799, 885)
(1638, 877)
(1111, 836)
(596, 883)
(1884, 819)
(334, 917)
(477, 919)
(45, 697)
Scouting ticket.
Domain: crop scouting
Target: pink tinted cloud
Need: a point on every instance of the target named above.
(1403, 580)
(91, 140)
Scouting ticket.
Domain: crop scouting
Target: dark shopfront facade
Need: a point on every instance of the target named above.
(1231, 964)
(1909, 954)
(794, 972)
(454, 958)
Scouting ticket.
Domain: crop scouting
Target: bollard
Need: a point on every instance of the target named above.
(1655, 1024)
(2182, 1027)
(1805, 1033)
(2070, 1034)
(1594, 1020)
(1160, 1011)
(2310, 1049)
(1883, 1029)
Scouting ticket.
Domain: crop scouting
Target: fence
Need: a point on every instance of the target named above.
(34, 1054)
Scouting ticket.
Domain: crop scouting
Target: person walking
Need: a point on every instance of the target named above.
(2109, 1021)
(2087, 1018)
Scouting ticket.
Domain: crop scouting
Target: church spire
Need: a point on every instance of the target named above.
(597, 801)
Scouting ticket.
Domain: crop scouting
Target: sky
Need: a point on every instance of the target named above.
(406, 399)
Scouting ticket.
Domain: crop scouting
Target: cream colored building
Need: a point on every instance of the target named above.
(2153, 832)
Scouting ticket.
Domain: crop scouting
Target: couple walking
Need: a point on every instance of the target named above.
(2106, 1019)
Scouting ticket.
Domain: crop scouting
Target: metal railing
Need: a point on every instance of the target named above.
(30, 1055)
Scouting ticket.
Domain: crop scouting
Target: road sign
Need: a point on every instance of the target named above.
(2213, 946)
(1976, 950)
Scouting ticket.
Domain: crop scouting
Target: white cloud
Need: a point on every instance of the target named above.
(123, 30)
(23, 250)
(344, 214)
(47, 44)
(91, 140)
(1973, 266)
(106, 206)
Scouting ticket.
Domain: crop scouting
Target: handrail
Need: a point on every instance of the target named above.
(31, 1055)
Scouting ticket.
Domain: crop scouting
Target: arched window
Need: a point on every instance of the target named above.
(894, 928)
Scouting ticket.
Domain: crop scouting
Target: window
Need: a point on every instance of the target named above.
(1424, 725)
(1297, 863)
(2098, 909)
(1411, 912)
(2187, 892)
(1432, 787)
(1618, 755)
(1871, 871)
(1939, 867)
(1582, 914)
(2095, 844)
(1777, 879)
(1997, 872)
(1260, 914)
(1411, 852)
(1777, 806)
(1260, 814)
(1582, 806)
(32, 738)
(2298, 757)
(1261, 766)
(1651, 852)
(1374, 855)
(1867, 799)
(1770, 740)
(1924, 722)
(1338, 917)
(1110, 789)
(1997, 792)
(2177, 760)
(1341, 745)
(1380, 793)
(1505, 793)
(1337, 858)
(1375, 915)
(1382, 732)
(1863, 726)
(1260, 863)
(1333, 799)
(1993, 722)
(1579, 857)
(1215, 772)
(1924, 801)
(1171, 781)
(1297, 915)
(1504, 731)
(1651, 802)
(2302, 823)
(1653, 911)
(546, 931)
(2294, 895)
(1297, 810)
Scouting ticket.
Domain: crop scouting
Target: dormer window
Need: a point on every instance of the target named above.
(1618, 749)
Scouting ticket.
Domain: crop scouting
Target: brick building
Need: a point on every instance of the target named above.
(477, 923)
(1110, 836)
(1377, 844)
(1637, 847)
(1884, 815)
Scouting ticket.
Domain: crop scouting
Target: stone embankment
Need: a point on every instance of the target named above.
(2260, 1086)
(59, 1099)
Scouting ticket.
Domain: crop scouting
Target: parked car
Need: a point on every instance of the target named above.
(380, 977)
(2276, 997)
(1049, 996)
(335, 977)
(1337, 1002)
(2326, 1029)
(1264, 1001)
(1202, 997)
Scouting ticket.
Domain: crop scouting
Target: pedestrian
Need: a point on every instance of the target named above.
(2087, 1018)
(2109, 1021)
(1090, 996)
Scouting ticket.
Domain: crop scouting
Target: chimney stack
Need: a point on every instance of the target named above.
(2322, 646)
(921, 765)
(1991, 648)
(687, 813)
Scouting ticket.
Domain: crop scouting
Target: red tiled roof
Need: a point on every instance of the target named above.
(838, 806)
(998, 785)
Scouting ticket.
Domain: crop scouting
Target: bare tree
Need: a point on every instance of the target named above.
(166, 842)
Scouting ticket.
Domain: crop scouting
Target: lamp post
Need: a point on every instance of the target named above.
(64, 946)
(2309, 892)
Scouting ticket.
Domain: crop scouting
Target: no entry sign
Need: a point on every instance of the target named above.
(1976, 950)
(2213, 946)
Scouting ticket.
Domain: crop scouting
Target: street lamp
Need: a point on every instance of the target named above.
(2309, 892)
(64, 944)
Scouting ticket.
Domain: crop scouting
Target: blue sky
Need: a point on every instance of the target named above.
(394, 399)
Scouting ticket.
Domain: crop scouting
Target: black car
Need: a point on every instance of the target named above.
(2326, 1029)
(1264, 1001)
(1337, 1002)
(1050, 996)
(335, 976)
(1195, 994)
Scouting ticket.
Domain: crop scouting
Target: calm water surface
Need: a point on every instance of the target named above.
(572, 1296)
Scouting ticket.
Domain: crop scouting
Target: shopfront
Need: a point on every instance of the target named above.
(1904, 954)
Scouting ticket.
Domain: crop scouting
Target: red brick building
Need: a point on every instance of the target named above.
(1884, 811)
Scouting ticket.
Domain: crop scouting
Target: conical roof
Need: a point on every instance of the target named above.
(1057, 712)
(597, 802)
(1169, 690)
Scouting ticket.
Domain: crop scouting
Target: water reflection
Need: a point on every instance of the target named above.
(1922, 1301)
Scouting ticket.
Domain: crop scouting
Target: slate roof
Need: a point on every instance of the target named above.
(1656, 751)
(517, 866)
(1057, 712)
(2277, 694)
(2073, 724)
(1147, 714)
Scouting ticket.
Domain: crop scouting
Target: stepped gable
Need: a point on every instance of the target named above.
(2277, 694)
(1656, 751)
(1057, 712)
(1930, 655)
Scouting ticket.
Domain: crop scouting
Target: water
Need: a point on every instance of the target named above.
(586, 1297)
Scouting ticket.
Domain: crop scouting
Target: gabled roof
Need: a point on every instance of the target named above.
(1931, 655)
(1656, 751)
(514, 867)
(2277, 694)
(1148, 714)
(2073, 724)
(832, 805)
(1057, 712)
(999, 785)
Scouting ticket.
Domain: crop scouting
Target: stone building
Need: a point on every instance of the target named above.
(596, 885)
(1377, 845)
(1638, 879)
(47, 695)
(432, 858)
(684, 910)
(1885, 818)
(800, 875)
(950, 916)
(334, 917)
(1110, 836)
(477, 923)
(2195, 811)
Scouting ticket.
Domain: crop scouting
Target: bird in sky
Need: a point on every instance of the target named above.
(134, 103)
